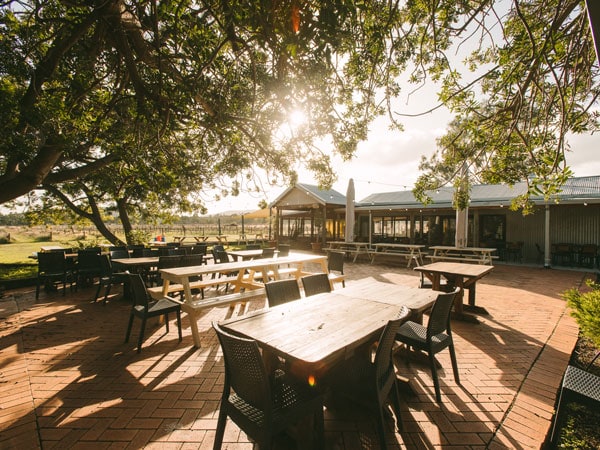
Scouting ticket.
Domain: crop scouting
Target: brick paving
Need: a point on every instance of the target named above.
(67, 380)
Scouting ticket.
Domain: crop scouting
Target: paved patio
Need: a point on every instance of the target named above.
(67, 380)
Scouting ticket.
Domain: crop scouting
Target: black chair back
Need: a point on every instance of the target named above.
(267, 253)
(283, 249)
(282, 291)
(167, 262)
(192, 260)
(316, 284)
(119, 254)
(244, 369)
(199, 249)
(52, 262)
(335, 261)
(439, 319)
(138, 291)
(221, 257)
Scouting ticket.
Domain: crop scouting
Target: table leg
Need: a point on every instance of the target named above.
(458, 313)
(471, 306)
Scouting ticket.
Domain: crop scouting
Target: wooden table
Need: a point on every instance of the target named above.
(358, 248)
(314, 333)
(243, 255)
(461, 275)
(134, 264)
(245, 279)
(412, 252)
(480, 255)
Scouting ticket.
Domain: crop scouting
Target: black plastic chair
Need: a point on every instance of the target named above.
(52, 268)
(282, 291)
(283, 249)
(145, 307)
(119, 254)
(108, 277)
(433, 338)
(335, 266)
(88, 265)
(164, 262)
(262, 405)
(316, 284)
(267, 253)
(371, 380)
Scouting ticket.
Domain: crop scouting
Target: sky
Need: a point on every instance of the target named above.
(388, 161)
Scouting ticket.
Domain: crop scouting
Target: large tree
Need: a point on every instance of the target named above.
(166, 98)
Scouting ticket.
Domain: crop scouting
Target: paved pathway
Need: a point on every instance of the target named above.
(67, 380)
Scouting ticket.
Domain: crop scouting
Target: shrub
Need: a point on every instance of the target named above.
(585, 308)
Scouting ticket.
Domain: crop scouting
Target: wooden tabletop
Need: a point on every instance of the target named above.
(316, 332)
(452, 268)
(137, 262)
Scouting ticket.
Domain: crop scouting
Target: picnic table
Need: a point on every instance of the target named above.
(356, 248)
(412, 252)
(241, 276)
(461, 275)
(479, 255)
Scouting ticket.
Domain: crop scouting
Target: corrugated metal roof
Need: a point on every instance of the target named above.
(575, 189)
(324, 197)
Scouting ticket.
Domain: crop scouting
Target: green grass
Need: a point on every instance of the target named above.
(15, 261)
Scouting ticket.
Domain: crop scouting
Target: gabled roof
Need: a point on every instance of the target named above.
(575, 190)
(305, 195)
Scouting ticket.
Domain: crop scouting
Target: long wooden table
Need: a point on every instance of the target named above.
(314, 333)
(461, 275)
(480, 255)
(357, 248)
(412, 252)
(245, 279)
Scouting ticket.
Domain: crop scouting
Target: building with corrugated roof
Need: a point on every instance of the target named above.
(560, 231)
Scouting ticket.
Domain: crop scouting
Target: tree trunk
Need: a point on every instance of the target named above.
(124, 217)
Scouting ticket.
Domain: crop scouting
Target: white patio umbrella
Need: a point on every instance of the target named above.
(461, 234)
(349, 236)
(462, 215)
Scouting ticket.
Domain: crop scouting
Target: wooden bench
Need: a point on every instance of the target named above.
(402, 253)
(199, 304)
(466, 258)
(156, 292)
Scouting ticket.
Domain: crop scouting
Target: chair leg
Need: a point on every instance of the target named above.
(167, 321)
(37, 289)
(98, 292)
(436, 382)
(141, 338)
(396, 400)
(454, 363)
(107, 292)
(220, 430)
(179, 324)
(129, 328)
(320, 429)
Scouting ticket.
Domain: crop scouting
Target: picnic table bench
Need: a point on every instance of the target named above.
(479, 255)
(355, 248)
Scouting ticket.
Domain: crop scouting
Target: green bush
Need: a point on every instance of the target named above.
(585, 308)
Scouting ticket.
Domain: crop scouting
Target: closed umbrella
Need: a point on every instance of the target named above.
(349, 237)
(462, 220)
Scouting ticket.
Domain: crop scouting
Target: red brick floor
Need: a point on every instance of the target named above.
(67, 380)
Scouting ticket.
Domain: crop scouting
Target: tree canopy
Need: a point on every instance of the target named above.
(144, 105)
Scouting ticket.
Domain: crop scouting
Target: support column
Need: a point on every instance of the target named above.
(547, 255)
